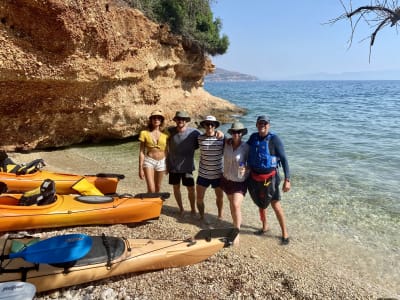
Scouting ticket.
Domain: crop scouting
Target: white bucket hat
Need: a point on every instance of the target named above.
(210, 119)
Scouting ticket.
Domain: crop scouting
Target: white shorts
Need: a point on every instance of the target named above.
(157, 165)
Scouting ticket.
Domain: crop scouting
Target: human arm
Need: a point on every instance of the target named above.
(141, 160)
(219, 134)
(280, 152)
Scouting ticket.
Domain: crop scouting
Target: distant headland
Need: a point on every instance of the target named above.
(225, 75)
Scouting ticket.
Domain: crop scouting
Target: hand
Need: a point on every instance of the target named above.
(141, 173)
(219, 134)
(286, 186)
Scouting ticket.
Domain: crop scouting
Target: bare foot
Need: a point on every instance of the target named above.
(236, 241)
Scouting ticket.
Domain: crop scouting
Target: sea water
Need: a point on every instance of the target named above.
(342, 142)
(342, 139)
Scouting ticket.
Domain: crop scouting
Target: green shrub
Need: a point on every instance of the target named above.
(192, 19)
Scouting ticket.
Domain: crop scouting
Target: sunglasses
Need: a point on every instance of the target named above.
(264, 123)
(156, 118)
(207, 124)
(236, 132)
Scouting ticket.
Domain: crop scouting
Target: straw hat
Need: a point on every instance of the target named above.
(182, 115)
(237, 126)
(157, 113)
(210, 119)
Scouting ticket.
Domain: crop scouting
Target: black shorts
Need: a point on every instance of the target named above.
(263, 193)
(175, 178)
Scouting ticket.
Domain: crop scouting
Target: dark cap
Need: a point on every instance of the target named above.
(264, 118)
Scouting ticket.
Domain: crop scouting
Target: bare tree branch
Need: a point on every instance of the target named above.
(382, 14)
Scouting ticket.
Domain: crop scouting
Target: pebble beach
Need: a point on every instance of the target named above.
(259, 268)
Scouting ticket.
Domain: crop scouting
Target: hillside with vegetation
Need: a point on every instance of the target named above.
(225, 75)
(192, 19)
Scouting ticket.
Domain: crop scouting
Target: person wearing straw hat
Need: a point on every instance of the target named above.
(210, 165)
(152, 153)
(234, 180)
(265, 155)
(182, 144)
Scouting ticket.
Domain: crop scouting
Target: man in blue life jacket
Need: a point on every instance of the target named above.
(266, 153)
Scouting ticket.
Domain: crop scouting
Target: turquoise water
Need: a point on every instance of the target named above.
(342, 141)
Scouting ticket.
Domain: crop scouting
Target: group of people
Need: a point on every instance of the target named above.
(228, 165)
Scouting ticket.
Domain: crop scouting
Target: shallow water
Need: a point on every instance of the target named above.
(341, 139)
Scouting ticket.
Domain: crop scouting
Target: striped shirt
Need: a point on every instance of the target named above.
(211, 154)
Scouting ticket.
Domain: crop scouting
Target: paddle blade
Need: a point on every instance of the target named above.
(16, 290)
(58, 249)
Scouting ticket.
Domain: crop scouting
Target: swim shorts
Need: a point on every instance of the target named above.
(175, 178)
(263, 192)
(207, 182)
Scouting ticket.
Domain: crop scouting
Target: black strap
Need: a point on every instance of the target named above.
(107, 246)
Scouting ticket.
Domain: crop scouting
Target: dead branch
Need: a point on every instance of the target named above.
(376, 16)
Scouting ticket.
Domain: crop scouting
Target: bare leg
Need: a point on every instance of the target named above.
(200, 191)
(158, 177)
(149, 175)
(220, 201)
(235, 201)
(276, 205)
(192, 199)
(178, 197)
(263, 218)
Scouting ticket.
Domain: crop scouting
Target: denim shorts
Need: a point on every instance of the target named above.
(157, 165)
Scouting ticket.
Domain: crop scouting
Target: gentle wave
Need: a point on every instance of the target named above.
(341, 138)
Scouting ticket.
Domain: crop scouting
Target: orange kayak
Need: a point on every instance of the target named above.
(70, 210)
(105, 183)
(112, 256)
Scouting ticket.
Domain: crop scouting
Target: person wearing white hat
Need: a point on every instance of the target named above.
(153, 147)
(210, 165)
(234, 180)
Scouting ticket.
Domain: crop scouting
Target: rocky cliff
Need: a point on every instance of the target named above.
(75, 71)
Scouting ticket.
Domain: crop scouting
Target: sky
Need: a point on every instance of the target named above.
(275, 39)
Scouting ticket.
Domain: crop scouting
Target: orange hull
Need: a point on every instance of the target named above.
(106, 183)
(67, 210)
(135, 255)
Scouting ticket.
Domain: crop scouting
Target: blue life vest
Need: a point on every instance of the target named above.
(260, 157)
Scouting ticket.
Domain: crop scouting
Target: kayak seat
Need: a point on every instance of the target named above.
(94, 199)
(46, 194)
(104, 250)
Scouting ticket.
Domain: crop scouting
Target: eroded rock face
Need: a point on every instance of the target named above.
(74, 71)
